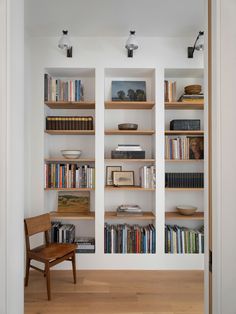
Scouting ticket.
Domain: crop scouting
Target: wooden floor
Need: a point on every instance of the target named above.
(103, 292)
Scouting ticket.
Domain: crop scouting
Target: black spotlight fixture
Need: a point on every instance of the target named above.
(65, 44)
(131, 44)
(198, 45)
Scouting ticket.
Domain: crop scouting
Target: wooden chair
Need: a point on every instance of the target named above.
(49, 253)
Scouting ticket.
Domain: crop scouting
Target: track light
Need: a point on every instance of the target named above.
(131, 44)
(65, 44)
(198, 45)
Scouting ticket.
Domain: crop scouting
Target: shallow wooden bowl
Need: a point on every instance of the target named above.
(186, 210)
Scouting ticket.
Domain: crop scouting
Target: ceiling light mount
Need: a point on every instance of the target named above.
(131, 44)
(65, 44)
(198, 45)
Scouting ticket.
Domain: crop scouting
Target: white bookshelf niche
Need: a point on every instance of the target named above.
(142, 113)
(55, 141)
(184, 196)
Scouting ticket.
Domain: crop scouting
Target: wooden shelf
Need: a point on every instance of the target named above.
(70, 132)
(184, 132)
(177, 216)
(129, 132)
(184, 189)
(70, 104)
(179, 105)
(69, 189)
(117, 160)
(74, 216)
(144, 216)
(66, 160)
(129, 104)
(184, 160)
(126, 188)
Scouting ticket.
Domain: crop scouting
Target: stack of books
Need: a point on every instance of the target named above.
(148, 177)
(68, 176)
(130, 210)
(85, 245)
(182, 240)
(62, 90)
(128, 151)
(170, 91)
(69, 123)
(184, 180)
(62, 233)
(125, 238)
(192, 98)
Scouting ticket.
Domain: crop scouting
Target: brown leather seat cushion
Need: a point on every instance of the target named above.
(53, 251)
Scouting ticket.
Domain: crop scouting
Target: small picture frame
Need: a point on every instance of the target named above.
(109, 172)
(123, 178)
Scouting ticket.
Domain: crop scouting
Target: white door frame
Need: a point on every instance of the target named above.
(12, 156)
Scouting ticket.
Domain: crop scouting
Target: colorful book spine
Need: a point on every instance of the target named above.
(58, 175)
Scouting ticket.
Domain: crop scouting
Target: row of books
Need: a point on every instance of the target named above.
(184, 147)
(62, 233)
(62, 90)
(69, 123)
(170, 90)
(59, 175)
(125, 238)
(184, 180)
(183, 240)
(147, 177)
(85, 245)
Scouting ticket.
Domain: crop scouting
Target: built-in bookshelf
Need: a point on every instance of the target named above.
(182, 233)
(158, 203)
(70, 103)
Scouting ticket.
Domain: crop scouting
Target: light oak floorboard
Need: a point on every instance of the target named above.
(117, 292)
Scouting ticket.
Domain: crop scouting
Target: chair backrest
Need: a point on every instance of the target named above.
(37, 224)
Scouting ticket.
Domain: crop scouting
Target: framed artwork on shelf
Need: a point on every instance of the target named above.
(73, 202)
(109, 173)
(196, 148)
(123, 178)
(128, 90)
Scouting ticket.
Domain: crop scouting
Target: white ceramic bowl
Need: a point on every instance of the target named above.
(186, 210)
(71, 154)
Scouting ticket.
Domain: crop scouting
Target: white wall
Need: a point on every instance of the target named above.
(224, 152)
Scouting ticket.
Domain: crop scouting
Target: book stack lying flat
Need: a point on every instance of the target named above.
(192, 98)
(129, 210)
(62, 233)
(68, 176)
(184, 180)
(183, 240)
(148, 177)
(128, 151)
(125, 238)
(85, 245)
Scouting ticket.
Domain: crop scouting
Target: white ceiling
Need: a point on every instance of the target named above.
(165, 18)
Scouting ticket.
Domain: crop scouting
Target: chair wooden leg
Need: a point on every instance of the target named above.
(27, 268)
(74, 267)
(47, 272)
